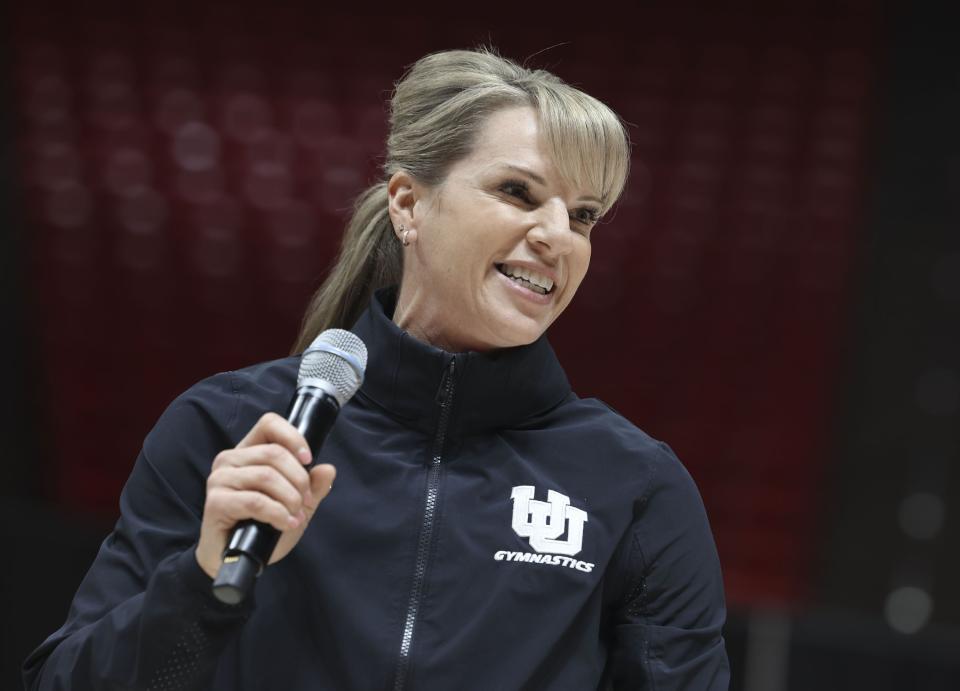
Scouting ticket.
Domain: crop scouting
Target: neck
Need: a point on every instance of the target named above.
(423, 326)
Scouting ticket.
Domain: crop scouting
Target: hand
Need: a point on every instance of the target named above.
(262, 478)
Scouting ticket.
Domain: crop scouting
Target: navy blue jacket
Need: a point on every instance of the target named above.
(488, 529)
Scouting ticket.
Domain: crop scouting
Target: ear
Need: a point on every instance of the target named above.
(403, 193)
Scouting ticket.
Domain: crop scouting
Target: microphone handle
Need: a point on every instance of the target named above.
(312, 412)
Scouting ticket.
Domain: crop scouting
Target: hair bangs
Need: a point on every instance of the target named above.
(586, 140)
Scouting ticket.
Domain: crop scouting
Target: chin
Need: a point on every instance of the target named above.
(517, 332)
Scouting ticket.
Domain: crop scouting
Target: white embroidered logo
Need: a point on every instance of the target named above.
(545, 521)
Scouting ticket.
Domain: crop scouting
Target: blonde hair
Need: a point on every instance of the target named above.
(437, 110)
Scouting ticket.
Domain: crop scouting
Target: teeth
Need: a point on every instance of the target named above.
(532, 286)
(531, 279)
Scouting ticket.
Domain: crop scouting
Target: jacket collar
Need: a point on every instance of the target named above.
(493, 390)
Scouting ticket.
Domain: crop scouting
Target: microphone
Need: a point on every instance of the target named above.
(331, 371)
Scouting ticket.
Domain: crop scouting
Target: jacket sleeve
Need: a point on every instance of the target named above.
(667, 632)
(144, 616)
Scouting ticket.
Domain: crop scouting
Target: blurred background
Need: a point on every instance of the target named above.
(776, 295)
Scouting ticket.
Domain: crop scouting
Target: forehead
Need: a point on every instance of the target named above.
(513, 138)
(510, 136)
(507, 129)
(510, 139)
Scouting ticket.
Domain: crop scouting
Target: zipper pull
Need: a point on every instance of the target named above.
(446, 383)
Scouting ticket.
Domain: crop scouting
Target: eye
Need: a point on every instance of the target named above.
(586, 216)
(517, 189)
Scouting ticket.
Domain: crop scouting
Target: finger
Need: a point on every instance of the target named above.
(265, 479)
(271, 428)
(321, 482)
(229, 507)
(272, 455)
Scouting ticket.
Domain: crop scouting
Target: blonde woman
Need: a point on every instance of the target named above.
(488, 528)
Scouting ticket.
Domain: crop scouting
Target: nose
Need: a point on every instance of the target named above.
(551, 235)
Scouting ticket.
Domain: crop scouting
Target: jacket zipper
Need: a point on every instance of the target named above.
(444, 398)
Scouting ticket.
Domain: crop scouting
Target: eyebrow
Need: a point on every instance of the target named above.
(541, 181)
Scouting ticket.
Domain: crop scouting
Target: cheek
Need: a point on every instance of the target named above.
(579, 266)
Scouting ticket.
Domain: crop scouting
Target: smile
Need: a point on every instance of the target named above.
(531, 280)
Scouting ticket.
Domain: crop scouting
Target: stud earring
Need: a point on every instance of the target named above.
(404, 236)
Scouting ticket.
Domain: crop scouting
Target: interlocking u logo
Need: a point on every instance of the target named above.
(545, 521)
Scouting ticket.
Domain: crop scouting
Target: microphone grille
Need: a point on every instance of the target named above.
(338, 358)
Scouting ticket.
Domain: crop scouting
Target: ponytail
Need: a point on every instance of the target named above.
(369, 259)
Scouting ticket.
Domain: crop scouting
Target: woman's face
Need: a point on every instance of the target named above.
(501, 245)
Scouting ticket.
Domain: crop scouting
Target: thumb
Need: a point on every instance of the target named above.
(321, 482)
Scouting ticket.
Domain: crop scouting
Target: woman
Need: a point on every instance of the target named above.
(488, 529)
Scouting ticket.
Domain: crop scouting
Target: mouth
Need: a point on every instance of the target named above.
(531, 280)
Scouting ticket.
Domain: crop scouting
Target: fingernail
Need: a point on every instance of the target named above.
(303, 453)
